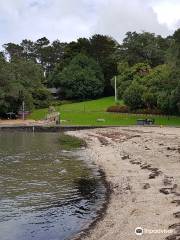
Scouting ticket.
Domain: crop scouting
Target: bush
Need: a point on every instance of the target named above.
(125, 109)
(118, 109)
(133, 96)
(148, 111)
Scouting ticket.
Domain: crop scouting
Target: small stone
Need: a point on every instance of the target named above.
(171, 149)
(125, 157)
(165, 191)
(177, 202)
(173, 237)
(145, 166)
(174, 226)
(152, 175)
(177, 215)
(146, 186)
(167, 180)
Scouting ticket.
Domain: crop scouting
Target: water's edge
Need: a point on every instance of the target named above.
(101, 213)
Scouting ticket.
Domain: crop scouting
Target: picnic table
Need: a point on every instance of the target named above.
(145, 121)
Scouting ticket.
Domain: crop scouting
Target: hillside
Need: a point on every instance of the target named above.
(88, 113)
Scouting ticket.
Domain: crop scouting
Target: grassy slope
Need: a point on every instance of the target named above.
(87, 113)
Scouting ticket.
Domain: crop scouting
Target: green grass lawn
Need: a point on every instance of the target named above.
(99, 105)
(87, 113)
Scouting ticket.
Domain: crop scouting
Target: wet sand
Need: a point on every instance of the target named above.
(142, 166)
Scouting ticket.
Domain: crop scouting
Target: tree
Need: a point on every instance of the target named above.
(28, 50)
(13, 51)
(143, 47)
(129, 74)
(41, 97)
(133, 96)
(27, 73)
(8, 89)
(19, 81)
(103, 49)
(175, 100)
(173, 53)
(72, 49)
(163, 102)
(81, 79)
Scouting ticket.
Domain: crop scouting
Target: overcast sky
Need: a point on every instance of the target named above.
(67, 20)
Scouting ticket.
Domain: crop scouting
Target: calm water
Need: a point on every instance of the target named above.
(45, 192)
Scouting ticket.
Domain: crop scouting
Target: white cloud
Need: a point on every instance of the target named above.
(121, 16)
(70, 19)
(168, 12)
(65, 20)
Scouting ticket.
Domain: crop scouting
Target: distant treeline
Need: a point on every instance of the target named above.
(146, 65)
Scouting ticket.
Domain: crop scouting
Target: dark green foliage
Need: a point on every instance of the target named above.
(155, 89)
(143, 47)
(19, 80)
(99, 47)
(133, 96)
(128, 74)
(13, 50)
(41, 98)
(81, 79)
(163, 102)
(103, 50)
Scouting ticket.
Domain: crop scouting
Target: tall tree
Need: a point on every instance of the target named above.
(173, 53)
(81, 79)
(103, 49)
(28, 50)
(143, 47)
(13, 51)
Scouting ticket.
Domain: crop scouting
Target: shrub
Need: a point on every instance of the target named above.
(125, 109)
(148, 111)
(118, 109)
(133, 96)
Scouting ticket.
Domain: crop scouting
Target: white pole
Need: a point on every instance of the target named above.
(115, 87)
(23, 109)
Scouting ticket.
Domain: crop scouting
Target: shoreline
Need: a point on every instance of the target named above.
(100, 213)
(141, 166)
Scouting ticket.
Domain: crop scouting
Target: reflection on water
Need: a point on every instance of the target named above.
(43, 193)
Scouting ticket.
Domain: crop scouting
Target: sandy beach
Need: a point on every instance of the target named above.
(142, 166)
(20, 122)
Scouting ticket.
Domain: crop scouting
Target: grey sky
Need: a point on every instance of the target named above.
(69, 19)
